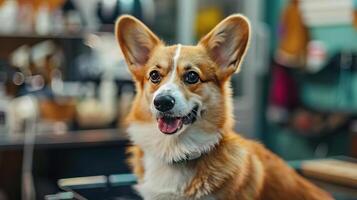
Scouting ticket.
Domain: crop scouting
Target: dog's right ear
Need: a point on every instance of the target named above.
(136, 42)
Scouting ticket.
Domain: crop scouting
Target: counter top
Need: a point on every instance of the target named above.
(69, 139)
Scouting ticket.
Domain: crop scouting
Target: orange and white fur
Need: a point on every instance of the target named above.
(181, 121)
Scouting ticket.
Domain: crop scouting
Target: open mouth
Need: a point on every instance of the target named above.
(169, 124)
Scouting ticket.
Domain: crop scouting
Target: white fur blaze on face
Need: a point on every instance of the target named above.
(176, 57)
(171, 88)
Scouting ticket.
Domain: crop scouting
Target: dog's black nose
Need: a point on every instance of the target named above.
(164, 103)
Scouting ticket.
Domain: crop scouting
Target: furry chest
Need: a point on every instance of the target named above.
(163, 181)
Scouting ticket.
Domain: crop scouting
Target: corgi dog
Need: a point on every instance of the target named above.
(181, 121)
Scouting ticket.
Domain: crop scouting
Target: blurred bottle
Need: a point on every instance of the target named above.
(43, 22)
(316, 57)
(8, 12)
(72, 17)
(206, 19)
(58, 22)
(109, 10)
(107, 95)
(124, 104)
(25, 17)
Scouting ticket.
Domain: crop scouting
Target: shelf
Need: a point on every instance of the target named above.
(62, 36)
(70, 139)
(38, 36)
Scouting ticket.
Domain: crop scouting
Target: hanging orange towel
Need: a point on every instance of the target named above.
(52, 4)
(293, 37)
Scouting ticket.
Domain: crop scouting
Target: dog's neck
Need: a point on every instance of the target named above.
(171, 149)
(189, 157)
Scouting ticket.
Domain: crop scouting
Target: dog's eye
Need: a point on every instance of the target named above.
(191, 77)
(155, 76)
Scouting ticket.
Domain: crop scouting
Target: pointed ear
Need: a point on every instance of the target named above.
(227, 43)
(136, 42)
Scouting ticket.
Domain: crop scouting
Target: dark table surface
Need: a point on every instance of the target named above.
(50, 140)
(120, 185)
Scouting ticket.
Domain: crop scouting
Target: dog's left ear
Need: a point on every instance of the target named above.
(227, 43)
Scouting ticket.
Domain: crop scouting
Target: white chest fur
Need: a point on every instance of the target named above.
(163, 180)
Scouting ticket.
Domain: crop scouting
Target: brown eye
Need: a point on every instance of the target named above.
(191, 77)
(155, 76)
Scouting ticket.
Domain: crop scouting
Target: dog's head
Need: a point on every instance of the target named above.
(183, 87)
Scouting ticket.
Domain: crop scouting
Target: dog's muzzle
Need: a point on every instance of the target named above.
(168, 123)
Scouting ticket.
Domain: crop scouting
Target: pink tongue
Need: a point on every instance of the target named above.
(169, 127)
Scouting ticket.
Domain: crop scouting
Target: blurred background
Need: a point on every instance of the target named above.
(64, 89)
